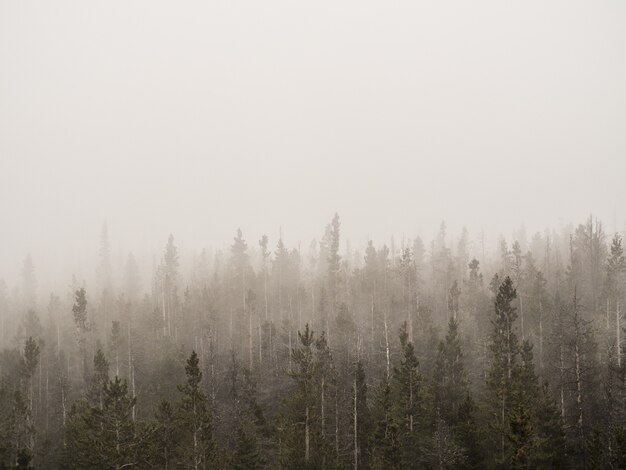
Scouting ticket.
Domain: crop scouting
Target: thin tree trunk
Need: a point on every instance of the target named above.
(306, 437)
(521, 315)
(322, 406)
(618, 333)
(540, 339)
(372, 314)
(131, 371)
(356, 436)
(336, 430)
(250, 340)
(387, 348)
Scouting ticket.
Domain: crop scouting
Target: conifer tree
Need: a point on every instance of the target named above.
(99, 378)
(450, 381)
(247, 455)
(407, 386)
(505, 351)
(105, 438)
(385, 441)
(302, 436)
(79, 309)
(165, 442)
(198, 450)
(361, 420)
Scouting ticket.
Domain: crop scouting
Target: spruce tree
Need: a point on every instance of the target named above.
(165, 442)
(360, 417)
(407, 386)
(384, 443)
(246, 455)
(198, 450)
(450, 384)
(105, 437)
(504, 353)
(302, 434)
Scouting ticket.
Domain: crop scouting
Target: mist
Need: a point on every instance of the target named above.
(463, 125)
(200, 119)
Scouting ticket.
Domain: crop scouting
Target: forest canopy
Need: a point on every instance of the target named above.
(416, 354)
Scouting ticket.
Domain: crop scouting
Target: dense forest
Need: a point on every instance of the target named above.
(407, 355)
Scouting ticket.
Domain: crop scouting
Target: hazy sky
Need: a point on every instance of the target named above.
(199, 117)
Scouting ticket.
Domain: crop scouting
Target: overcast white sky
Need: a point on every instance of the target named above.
(199, 117)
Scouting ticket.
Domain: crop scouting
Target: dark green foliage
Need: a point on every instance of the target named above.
(360, 414)
(198, 449)
(105, 437)
(164, 445)
(247, 455)
(463, 387)
(385, 441)
(409, 410)
(303, 443)
(450, 384)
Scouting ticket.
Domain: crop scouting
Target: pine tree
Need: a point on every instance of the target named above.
(198, 448)
(246, 455)
(79, 309)
(333, 260)
(505, 351)
(100, 377)
(251, 427)
(361, 420)
(407, 386)
(164, 445)
(302, 446)
(105, 438)
(385, 440)
(616, 267)
(468, 435)
(450, 384)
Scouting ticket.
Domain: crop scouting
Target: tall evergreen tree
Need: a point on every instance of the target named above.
(198, 449)
(505, 351)
(107, 437)
(407, 386)
(385, 441)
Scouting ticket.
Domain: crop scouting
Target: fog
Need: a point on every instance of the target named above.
(198, 118)
(349, 235)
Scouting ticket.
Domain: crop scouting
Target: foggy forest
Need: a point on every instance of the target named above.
(412, 354)
(312, 235)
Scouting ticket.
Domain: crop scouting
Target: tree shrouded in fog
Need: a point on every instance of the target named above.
(365, 358)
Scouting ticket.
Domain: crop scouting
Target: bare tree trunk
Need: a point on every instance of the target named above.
(484, 360)
(63, 406)
(521, 315)
(260, 342)
(306, 437)
(131, 371)
(578, 375)
(290, 349)
(387, 348)
(355, 424)
(508, 350)
(165, 321)
(540, 338)
(250, 340)
(411, 401)
(47, 399)
(270, 342)
(336, 430)
(561, 373)
(618, 333)
(502, 418)
(322, 406)
(265, 292)
(372, 314)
